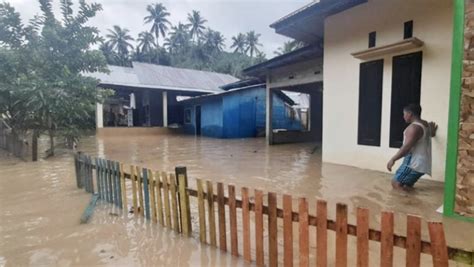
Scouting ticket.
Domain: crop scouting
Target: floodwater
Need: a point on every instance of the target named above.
(41, 207)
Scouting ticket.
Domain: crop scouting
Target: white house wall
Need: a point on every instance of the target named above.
(299, 73)
(347, 32)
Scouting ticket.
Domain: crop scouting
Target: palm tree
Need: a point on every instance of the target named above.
(178, 38)
(239, 43)
(146, 42)
(196, 24)
(260, 57)
(213, 40)
(158, 18)
(288, 47)
(252, 42)
(119, 40)
(108, 52)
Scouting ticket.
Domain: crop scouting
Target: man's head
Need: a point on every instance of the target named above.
(411, 113)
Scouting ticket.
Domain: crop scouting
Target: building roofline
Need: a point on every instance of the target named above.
(167, 88)
(288, 58)
(323, 7)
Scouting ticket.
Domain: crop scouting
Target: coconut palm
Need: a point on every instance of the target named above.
(288, 47)
(158, 18)
(239, 42)
(108, 52)
(252, 43)
(119, 40)
(146, 42)
(196, 24)
(213, 40)
(178, 38)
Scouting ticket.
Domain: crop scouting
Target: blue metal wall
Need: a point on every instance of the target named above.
(237, 114)
(211, 118)
(280, 118)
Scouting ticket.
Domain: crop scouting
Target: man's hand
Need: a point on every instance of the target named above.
(433, 127)
(390, 164)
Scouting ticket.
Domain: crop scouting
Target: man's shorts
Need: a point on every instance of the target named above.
(405, 175)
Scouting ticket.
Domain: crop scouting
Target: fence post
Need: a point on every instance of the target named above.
(34, 146)
(180, 170)
(184, 201)
(76, 165)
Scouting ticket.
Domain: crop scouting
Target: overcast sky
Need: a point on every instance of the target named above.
(227, 16)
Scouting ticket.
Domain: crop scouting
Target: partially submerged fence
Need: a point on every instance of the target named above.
(164, 198)
(12, 143)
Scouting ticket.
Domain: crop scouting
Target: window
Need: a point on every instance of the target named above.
(372, 39)
(187, 115)
(406, 85)
(408, 29)
(370, 103)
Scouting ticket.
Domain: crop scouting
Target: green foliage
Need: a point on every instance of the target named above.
(42, 66)
(190, 45)
(288, 47)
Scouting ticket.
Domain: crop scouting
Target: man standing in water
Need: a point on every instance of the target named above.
(416, 149)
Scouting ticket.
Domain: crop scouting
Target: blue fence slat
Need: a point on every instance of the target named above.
(147, 194)
(111, 181)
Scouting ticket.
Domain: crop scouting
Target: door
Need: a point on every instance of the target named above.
(198, 120)
(406, 87)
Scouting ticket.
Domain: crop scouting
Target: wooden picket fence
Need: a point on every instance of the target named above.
(164, 198)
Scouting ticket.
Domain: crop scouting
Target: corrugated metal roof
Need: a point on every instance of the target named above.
(117, 75)
(186, 79)
(144, 75)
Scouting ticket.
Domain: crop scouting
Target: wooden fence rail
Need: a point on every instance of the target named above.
(164, 198)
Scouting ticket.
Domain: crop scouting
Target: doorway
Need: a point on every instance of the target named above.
(198, 120)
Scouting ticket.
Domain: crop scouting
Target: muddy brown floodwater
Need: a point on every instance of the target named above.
(41, 207)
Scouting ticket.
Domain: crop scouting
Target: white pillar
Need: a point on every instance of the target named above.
(99, 116)
(165, 109)
(268, 113)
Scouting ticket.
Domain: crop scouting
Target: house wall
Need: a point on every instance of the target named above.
(211, 118)
(239, 114)
(464, 203)
(315, 132)
(298, 73)
(241, 110)
(347, 32)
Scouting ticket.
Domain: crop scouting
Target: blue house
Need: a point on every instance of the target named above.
(237, 113)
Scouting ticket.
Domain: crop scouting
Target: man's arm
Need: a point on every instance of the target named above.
(413, 134)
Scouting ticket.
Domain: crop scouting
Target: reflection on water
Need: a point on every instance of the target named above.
(40, 206)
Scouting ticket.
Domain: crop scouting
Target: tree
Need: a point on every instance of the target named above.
(178, 39)
(119, 40)
(158, 18)
(146, 42)
(42, 71)
(213, 41)
(252, 43)
(288, 47)
(108, 51)
(239, 43)
(196, 24)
